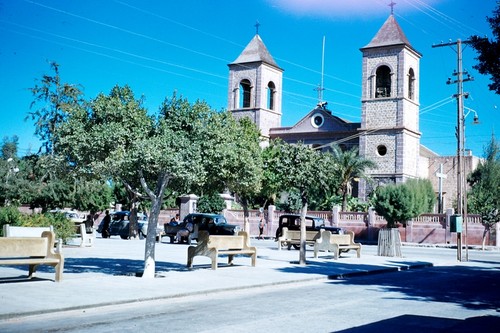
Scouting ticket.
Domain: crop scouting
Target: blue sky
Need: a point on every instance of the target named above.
(161, 46)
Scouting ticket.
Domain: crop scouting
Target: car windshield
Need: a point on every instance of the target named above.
(220, 220)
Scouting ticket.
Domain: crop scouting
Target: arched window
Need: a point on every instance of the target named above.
(245, 93)
(383, 82)
(271, 90)
(411, 84)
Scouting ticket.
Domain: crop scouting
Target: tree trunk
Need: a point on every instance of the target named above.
(149, 256)
(132, 232)
(302, 252)
(485, 232)
(389, 243)
(246, 223)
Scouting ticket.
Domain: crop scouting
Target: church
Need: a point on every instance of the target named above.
(388, 133)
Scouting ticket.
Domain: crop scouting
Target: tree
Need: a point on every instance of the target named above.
(212, 203)
(349, 165)
(398, 203)
(92, 196)
(489, 52)
(394, 203)
(484, 181)
(241, 172)
(296, 167)
(128, 145)
(9, 147)
(52, 179)
(57, 99)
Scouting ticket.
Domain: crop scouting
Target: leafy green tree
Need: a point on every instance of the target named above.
(51, 178)
(50, 184)
(92, 196)
(9, 147)
(489, 51)
(398, 203)
(128, 145)
(239, 160)
(349, 165)
(483, 197)
(296, 167)
(394, 203)
(212, 203)
(53, 100)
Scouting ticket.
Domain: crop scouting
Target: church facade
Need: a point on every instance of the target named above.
(388, 133)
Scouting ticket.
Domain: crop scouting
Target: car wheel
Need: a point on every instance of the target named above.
(124, 236)
(296, 247)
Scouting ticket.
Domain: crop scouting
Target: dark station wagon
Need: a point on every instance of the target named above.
(215, 224)
(292, 222)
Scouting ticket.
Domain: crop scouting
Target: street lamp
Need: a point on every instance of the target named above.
(476, 117)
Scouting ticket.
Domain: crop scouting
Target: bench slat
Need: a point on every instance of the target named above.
(225, 242)
(23, 247)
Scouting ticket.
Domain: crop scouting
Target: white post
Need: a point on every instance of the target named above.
(270, 218)
(335, 216)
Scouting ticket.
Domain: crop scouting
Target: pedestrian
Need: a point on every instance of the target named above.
(261, 228)
(175, 220)
(105, 225)
(184, 232)
(89, 224)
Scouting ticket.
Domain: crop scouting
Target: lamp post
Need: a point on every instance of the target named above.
(474, 122)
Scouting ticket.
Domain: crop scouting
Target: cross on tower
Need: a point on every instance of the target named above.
(392, 4)
(257, 25)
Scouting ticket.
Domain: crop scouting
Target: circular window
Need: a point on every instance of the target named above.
(317, 120)
(382, 150)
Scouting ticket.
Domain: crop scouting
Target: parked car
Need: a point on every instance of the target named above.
(215, 224)
(74, 216)
(292, 222)
(119, 225)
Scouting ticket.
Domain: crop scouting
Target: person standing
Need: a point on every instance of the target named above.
(105, 225)
(261, 228)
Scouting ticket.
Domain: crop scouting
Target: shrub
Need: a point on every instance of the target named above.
(63, 227)
(9, 215)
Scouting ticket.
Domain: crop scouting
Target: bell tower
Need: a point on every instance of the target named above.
(255, 87)
(390, 107)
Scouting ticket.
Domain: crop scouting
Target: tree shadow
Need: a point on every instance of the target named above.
(474, 288)
(337, 270)
(418, 324)
(109, 266)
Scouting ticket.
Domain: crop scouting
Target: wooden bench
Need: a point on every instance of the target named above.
(292, 237)
(214, 245)
(336, 243)
(32, 251)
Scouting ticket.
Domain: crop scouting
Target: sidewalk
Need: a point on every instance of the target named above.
(105, 274)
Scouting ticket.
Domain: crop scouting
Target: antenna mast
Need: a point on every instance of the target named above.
(321, 87)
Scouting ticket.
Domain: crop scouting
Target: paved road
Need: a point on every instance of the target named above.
(436, 299)
(448, 297)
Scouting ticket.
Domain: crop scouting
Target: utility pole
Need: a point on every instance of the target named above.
(461, 193)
